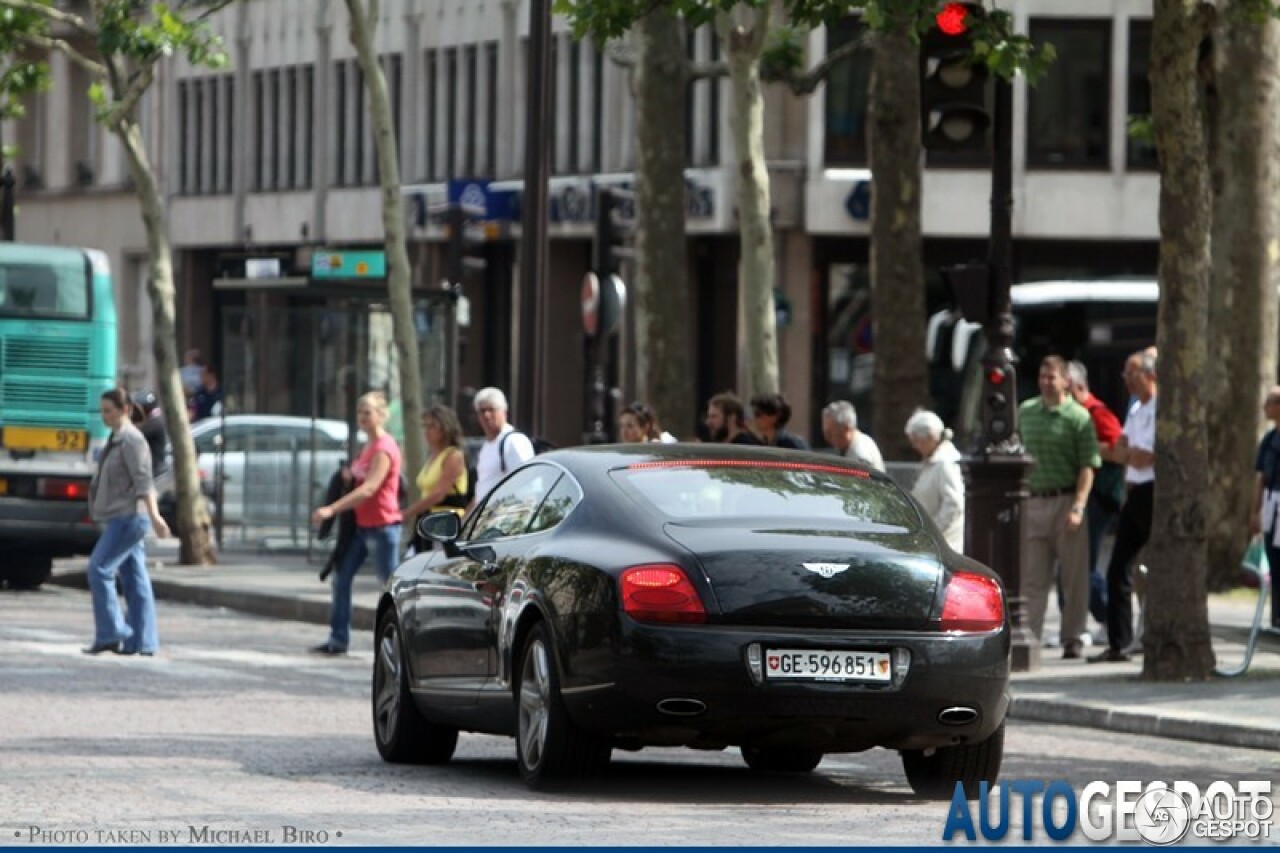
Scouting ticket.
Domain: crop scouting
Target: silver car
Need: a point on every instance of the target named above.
(273, 469)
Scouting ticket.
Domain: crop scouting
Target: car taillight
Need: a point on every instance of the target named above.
(54, 488)
(660, 593)
(973, 603)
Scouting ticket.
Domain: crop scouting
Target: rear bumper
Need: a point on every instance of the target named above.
(708, 665)
(61, 528)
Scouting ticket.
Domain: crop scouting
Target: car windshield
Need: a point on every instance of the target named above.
(780, 490)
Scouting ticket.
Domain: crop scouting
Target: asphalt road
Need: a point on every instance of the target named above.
(233, 734)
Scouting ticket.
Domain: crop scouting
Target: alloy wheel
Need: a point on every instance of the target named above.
(387, 684)
(535, 703)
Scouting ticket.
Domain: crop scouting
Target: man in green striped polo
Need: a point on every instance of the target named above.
(1059, 434)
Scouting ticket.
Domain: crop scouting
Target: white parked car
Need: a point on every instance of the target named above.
(273, 468)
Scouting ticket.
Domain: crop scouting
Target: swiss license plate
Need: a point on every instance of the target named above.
(44, 438)
(827, 665)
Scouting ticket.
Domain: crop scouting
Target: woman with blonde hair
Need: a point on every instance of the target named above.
(442, 482)
(940, 486)
(376, 502)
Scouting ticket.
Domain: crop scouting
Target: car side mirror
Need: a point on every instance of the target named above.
(440, 527)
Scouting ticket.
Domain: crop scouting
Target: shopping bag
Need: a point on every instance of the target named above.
(1254, 564)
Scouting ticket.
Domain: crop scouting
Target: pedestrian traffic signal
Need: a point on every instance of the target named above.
(612, 225)
(998, 395)
(466, 246)
(953, 91)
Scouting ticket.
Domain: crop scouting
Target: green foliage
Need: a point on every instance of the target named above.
(1141, 129)
(783, 53)
(21, 76)
(122, 31)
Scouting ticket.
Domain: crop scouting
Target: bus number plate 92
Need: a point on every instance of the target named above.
(44, 438)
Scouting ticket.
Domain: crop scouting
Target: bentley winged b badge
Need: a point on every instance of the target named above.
(827, 570)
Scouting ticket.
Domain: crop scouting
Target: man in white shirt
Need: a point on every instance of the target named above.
(840, 429)
(505, 448)
(1136, 450)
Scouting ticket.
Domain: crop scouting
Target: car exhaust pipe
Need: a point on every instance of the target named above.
(957, 716)
(682, 707)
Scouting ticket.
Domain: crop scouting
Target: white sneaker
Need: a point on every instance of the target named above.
(1086, 639)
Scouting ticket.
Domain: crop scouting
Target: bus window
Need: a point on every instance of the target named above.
(55, 289)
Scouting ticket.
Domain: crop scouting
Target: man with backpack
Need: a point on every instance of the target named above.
(505, 448)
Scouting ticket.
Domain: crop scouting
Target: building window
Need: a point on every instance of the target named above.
(1068, 110)
(259, 130)
(1140, 154)
(846, 100)
(473, 108)
(491, 105)
(226, 138)
(306, 91)
(451, 122)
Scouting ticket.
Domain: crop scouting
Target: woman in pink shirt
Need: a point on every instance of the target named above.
(376, 502)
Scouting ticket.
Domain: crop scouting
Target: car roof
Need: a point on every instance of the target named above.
(335, 428)
(1065, 291)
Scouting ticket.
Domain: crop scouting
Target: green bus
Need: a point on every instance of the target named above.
(57, 356)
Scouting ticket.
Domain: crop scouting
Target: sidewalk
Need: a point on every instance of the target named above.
(1242, 711)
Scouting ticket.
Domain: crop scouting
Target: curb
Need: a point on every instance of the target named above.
(256, 603)
(1040, 710)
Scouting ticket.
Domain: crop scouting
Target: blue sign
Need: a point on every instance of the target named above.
(858, 202)
(499, 205)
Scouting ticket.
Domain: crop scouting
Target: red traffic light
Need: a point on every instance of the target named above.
(953, 19)
(996, 376)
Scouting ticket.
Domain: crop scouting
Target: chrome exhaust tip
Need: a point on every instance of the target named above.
(682, 707)
(958, 716)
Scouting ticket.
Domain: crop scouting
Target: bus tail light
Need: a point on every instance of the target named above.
(61, 489)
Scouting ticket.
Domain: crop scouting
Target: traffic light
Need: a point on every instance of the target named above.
(999, 396)
(953, 91)
(465, 247)
(612, 225)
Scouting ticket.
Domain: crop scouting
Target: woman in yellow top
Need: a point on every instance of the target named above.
(442, 482)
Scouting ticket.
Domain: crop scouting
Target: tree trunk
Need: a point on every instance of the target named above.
(1242, 300)
(663, 328)
(399, 274)
(900, 375)
(743, 45)
(193, 518)
(1176, 636)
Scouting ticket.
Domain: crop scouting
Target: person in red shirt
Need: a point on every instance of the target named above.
(1108, 485)
(376, 502)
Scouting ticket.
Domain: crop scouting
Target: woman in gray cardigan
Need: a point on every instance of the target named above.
(121, 482)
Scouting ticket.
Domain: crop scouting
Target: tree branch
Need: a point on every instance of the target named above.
(53, 14)
(51, 44)
(620, 54)
(136, 87)
(708, 70)
(804, 84)
(214, 9)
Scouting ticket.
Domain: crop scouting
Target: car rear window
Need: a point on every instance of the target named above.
(781, 490)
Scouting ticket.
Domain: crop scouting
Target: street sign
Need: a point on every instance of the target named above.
(349, 264)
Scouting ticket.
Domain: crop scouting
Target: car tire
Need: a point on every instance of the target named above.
(774, 759)
(403, 735)
(27, 572)
(550, 749)
(934, 774)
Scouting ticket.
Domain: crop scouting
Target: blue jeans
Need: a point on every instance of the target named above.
(384, 543)
(120, 549)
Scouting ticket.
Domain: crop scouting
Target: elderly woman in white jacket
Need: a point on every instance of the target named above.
(940, 486)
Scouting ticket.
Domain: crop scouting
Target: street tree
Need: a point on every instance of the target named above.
(1244, 98)
(120, 45)
(23, 77)
(1176, 628)
(362, 17)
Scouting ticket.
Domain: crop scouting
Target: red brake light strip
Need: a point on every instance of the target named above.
(749, 463)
